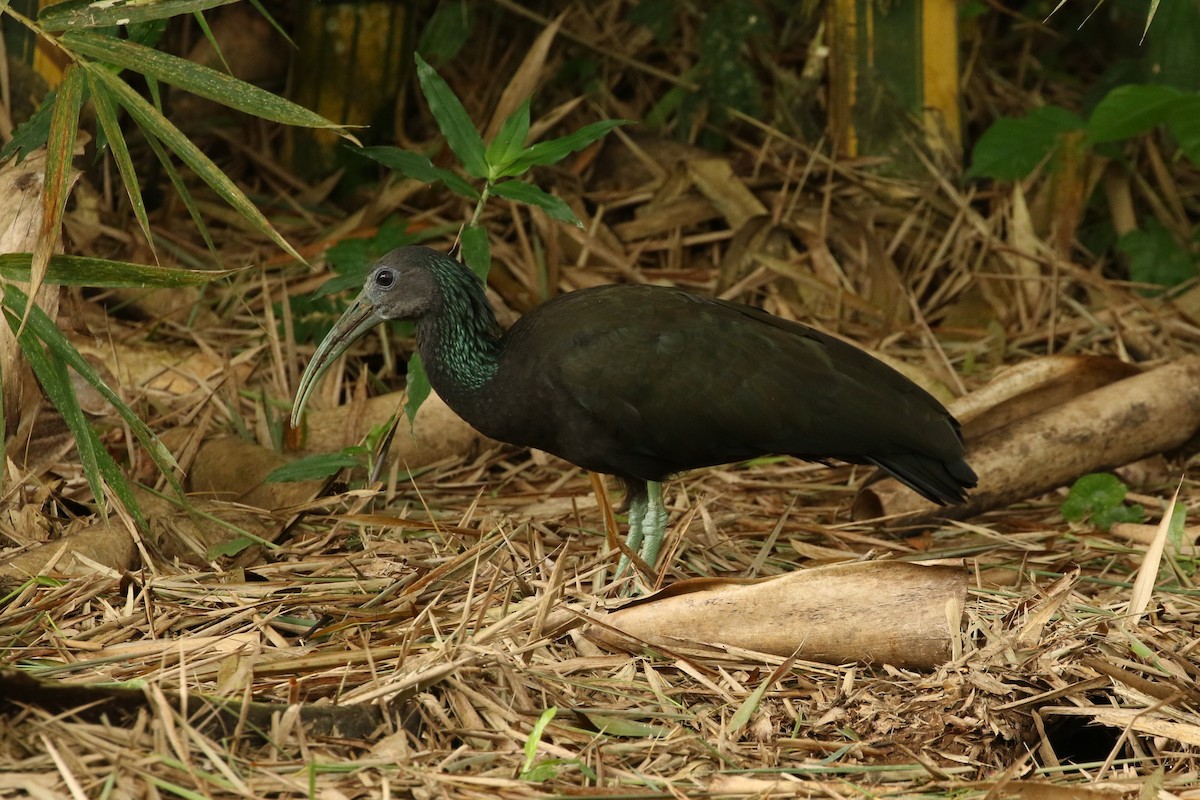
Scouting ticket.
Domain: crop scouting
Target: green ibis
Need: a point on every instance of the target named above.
(643, 382)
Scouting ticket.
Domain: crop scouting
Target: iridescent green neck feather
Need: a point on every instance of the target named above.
(459, 339)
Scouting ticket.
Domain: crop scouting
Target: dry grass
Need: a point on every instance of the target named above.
(407, 643)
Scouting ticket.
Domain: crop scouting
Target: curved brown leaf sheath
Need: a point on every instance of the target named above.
(875, 612)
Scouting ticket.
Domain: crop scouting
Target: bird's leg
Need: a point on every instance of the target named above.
(636, 498)
(654, 522)
(647, 524)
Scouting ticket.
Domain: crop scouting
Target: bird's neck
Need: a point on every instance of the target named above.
(459, 341)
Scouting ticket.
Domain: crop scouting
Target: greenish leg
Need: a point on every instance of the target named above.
(647, 526)
(633, 539)
(654, 520)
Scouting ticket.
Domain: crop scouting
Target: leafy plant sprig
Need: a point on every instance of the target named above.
(1013, 148)
(498, 164)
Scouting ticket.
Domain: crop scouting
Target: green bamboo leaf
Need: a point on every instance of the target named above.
(534, 196)
(101, 273)
(194, 78)
(509, 142)
(555, 150)
(157, 126)
(98, 465)
(78, 14)
(279, 29)
(42, 327)
(106, 113)
(418, 167)
(535, 736)
(181, 189)
(57, 386)
(452, 119)
(202, 23)
(60, 157)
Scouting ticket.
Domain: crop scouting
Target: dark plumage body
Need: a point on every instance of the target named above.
(642, 382)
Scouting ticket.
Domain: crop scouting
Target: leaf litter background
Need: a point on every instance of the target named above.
(408, 641)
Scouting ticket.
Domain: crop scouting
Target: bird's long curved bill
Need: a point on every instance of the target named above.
(359, 318)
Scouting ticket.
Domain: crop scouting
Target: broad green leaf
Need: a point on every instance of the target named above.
(452, 119)
(1012, 148)
(313, 468)
(1100, 496)
(157, 126)
(194, 78)
(77, 14)
(509, 142)
(60, 159)
(1183, 121)
(406, 162)
(418, 388)
(477, 253)
(1130, 110)
(41, 326)
(554, 150)
(106, 113)
(1155, 257)
(534, 196)
(418, 167)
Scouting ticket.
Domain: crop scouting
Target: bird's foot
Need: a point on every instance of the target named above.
(647, 528)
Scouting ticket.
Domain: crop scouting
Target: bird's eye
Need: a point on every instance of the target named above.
(385, 278)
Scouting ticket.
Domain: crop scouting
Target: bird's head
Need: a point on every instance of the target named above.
(400, 286)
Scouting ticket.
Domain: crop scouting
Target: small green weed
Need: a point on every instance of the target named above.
(1101, 498)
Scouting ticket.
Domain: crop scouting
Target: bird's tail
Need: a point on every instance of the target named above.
(939, 481)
